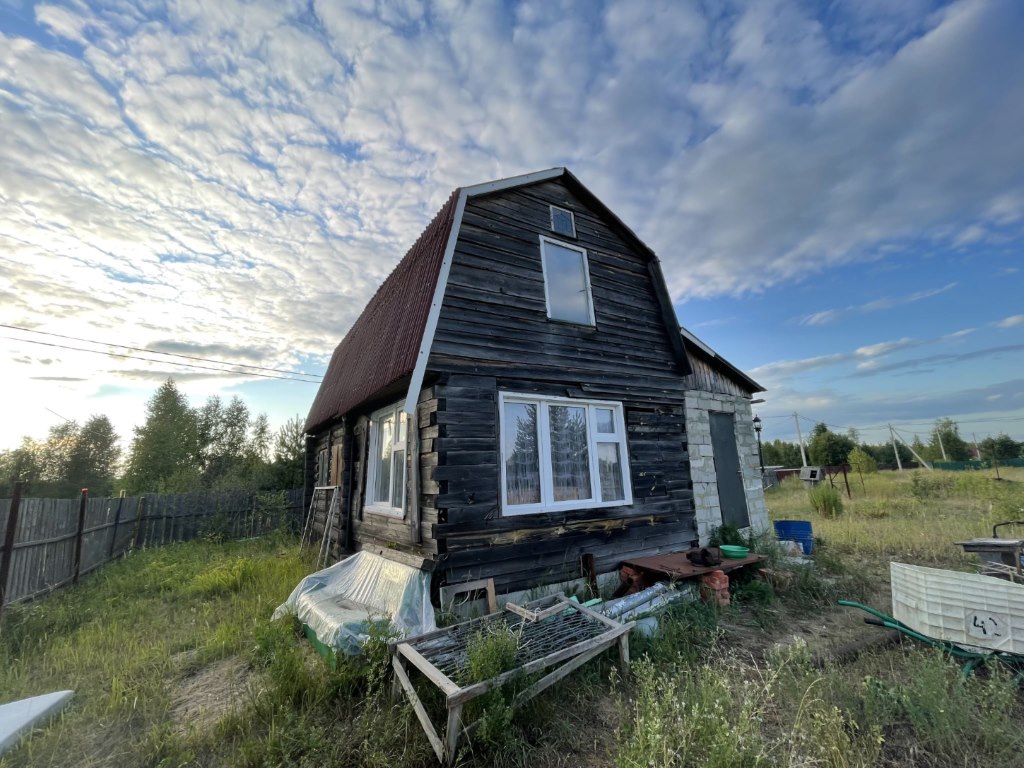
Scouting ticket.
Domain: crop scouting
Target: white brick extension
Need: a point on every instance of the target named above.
(702, 463)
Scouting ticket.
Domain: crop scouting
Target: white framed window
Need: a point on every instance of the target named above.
(385, 464)
(563, 222)
(561, 453)
(566, 282)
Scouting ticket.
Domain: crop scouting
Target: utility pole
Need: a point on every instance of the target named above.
(938, 433)
(892, 436)
(976, 448)
(800, 437)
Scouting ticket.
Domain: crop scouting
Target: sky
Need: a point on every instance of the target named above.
(835, 189)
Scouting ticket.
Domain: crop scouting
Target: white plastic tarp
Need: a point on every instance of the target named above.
(338, 603)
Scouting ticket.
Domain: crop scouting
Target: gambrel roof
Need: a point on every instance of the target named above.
(391, 339)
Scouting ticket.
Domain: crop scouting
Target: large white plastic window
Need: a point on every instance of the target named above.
(562, 453)
(385, 466)
(566, 282)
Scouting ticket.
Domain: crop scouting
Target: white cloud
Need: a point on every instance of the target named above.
(1010, 322)
(246, 174)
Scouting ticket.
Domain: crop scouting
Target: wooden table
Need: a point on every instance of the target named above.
(674, 566)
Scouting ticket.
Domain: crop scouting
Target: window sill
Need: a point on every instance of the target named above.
(379, 509)
(564, 507)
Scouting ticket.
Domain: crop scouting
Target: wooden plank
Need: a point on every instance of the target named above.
(563, 671)
(478, 689)
(417, 707)
(433, 674)
(454, 728)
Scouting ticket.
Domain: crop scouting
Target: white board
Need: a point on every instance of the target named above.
(19, 717)
(977, 612)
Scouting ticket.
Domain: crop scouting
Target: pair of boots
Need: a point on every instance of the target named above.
(705, 558)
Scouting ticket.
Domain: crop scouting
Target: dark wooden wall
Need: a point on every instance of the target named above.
(519, 551)
(706, 377)
(494, 320)
(393, 536)
(493, 335)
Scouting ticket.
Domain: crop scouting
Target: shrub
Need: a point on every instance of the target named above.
(861, 462)
(490, 652)
(826, 501)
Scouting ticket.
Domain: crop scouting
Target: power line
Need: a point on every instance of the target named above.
(905, 425)
(156, 351)
(171, 362)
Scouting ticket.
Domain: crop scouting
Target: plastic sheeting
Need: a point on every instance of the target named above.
(339, 602)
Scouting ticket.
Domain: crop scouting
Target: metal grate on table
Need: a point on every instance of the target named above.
(448, 653)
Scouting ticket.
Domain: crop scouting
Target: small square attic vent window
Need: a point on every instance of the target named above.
(562, 222)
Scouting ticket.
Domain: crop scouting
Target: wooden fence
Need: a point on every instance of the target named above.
(48, 543)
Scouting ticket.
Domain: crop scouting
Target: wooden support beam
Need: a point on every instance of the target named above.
(417, 707)
(435, 675)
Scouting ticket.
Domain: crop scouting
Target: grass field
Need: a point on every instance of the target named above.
(175, 662)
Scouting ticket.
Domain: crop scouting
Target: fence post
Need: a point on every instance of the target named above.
(78, 536)
(8, 551)
(140, 510)
(117, 522)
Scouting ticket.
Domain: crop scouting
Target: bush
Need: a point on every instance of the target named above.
(861, 462)
(490, 652)
(826, 501)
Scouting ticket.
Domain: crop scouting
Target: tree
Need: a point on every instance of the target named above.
(94, 458)
(861, 461)
(165, 454)
(779, 453)
(289, 454)
(828, 449)
(23, 463)
(956, 447)
(1001, 447)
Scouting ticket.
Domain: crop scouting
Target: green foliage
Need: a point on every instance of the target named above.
(71, 458)
(688, 716)
(861, 461)
(491, 652)
(216, 446)
(727, 534)
(779, 453)
(956, 447)
(948, 716)
(167, 446)
(825, 500)
(1000, 447)
(828, 449)
(289, 454)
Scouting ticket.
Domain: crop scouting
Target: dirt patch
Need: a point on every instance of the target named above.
(204, 697)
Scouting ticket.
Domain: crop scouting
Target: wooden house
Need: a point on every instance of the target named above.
(513, 400)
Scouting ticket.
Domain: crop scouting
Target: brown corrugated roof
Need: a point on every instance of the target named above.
(383, 343)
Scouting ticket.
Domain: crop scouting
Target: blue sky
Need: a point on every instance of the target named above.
(836, 190)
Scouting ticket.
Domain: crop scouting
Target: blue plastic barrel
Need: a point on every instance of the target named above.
(796, 530)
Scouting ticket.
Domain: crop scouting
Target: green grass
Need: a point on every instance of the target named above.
(125, 637)
(913, 516)
(140, 634)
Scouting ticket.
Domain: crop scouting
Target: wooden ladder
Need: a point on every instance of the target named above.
(327, 495)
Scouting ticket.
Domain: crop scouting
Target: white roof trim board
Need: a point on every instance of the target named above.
(416, 382)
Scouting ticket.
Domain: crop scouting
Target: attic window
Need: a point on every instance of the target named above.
(562, 222)
(566, 282)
